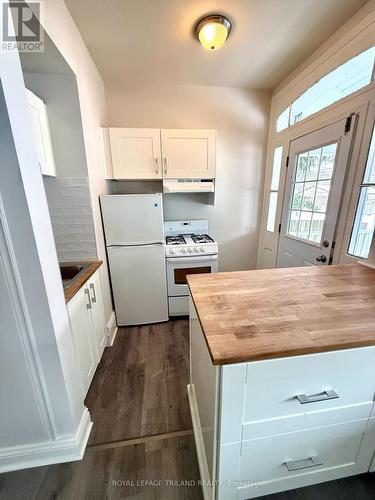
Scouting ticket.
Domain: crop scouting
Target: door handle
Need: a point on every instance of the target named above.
(195, 261)
(88, 304)
(157, 165)
(93, 298)
(306, 463)
(315, 398)
(165, 166)
(321, 258)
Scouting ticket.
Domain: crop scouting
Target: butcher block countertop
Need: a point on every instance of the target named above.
(72, 286)
(264, 314)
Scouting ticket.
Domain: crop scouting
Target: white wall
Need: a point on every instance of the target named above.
(44, 348)
(60, 26)
(241, 119)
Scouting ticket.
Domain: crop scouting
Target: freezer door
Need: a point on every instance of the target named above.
(132, 219)
(139, 285)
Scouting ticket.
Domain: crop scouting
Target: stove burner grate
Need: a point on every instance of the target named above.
(202, 238)
(176, 240)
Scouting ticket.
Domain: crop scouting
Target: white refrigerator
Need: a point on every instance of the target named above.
(134, 234)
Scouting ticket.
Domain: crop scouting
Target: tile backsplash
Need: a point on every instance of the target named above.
(71, 215)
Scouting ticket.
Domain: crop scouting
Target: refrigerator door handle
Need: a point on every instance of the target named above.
(157, 244)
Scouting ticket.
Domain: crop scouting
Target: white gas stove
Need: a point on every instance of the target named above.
(189, 250)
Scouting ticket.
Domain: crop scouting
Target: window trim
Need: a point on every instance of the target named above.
(362, 185)
(289, 104)
(277, 191)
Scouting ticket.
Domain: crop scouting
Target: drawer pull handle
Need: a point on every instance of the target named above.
(93, 298)
(315, 398)
(306, 463)
(88, 303)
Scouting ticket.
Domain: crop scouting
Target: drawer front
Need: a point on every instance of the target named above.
(268, 465)
(299, 453)
(307, 385)
(308, 420)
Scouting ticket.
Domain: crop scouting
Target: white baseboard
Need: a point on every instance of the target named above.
(199, 444)
(112, 329)
(66, 449)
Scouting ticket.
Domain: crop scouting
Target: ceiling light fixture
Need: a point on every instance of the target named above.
(213, 30)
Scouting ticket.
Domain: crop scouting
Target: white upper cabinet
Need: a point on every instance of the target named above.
(188, 153)
(135, 153)
(147, 153)
(42, 136)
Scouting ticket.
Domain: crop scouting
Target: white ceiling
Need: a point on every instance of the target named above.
(151, 42)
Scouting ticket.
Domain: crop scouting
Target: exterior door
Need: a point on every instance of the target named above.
(188, 153)
(135, 153)
(314, 185)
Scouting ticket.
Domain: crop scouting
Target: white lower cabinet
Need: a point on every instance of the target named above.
(97, 313)
(280, 424)
(86, 314)
(285, 461)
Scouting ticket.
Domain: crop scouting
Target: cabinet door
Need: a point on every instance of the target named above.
(188, 153)
(97, 313)
(81, 325)
(42, 136)
(135, 153)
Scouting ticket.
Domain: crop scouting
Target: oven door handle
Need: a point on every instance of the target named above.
(193, 259)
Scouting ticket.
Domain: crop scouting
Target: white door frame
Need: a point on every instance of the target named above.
(268, 240)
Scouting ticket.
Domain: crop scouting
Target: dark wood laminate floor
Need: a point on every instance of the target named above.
(351, 488)
(139, 388)
(113, 474)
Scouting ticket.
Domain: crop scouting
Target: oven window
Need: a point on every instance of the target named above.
(180, 274)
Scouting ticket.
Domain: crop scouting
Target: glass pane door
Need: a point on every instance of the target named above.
(311, 189)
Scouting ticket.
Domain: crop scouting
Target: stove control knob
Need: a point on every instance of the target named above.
(190, 250)
(171, 251)
(183, 250)
(196, 250)
(201, 249)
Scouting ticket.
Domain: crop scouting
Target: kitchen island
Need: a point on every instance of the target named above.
(282, 377)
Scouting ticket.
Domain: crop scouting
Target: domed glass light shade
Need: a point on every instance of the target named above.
(212, 31)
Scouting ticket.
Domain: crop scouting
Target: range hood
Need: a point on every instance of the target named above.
(188, 185)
